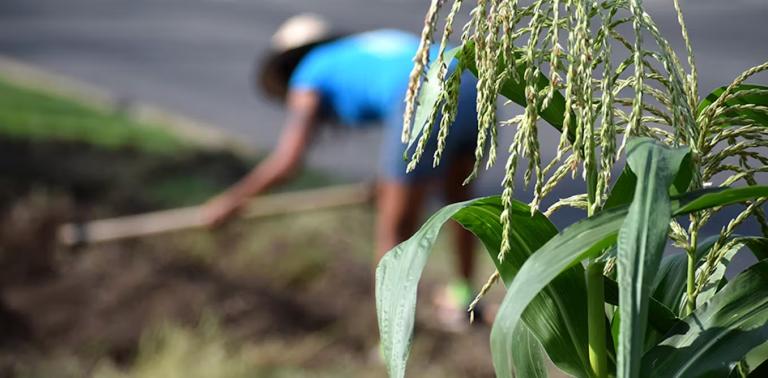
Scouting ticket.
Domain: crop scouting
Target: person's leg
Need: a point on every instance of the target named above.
(398, 209)
(459, 160)
(454, 191)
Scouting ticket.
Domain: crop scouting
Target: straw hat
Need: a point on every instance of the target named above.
(292, 40)
(300, 30)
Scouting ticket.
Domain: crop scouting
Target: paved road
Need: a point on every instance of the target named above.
(195, 56)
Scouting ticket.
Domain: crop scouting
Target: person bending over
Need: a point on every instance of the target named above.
(359, 81)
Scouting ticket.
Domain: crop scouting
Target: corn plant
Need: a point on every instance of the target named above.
(599, 298)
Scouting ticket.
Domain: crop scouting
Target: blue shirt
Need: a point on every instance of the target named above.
(361, 78)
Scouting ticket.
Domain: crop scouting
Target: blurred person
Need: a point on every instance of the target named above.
(356, 81)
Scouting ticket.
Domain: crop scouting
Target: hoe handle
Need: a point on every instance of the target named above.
(159, 222)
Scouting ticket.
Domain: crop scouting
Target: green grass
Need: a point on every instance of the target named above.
(27, 114)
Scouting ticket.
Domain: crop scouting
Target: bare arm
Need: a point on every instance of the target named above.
(281, 163)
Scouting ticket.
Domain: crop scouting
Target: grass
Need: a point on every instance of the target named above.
(316, 264)
(27, 114)
(46, 128)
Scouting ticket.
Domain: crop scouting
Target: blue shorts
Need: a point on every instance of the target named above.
(461, 140)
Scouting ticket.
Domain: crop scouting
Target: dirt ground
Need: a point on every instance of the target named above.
(294, 292)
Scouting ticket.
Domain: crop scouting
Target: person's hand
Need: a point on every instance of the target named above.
(220, 209)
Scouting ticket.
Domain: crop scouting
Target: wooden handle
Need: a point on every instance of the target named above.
(159, 222)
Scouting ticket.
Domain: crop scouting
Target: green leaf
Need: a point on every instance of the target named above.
(514, 90)
(557, 317)
(754, 99)
(528, 357)
(758, 246)
(584, 239)
(717, 277)
(641, 242)
(756, 358)
(624, 189)
(669, 285)
(616, 320)
(428, 96)
(718, 334)
(397, 278)
(709, 198)
(660, 317)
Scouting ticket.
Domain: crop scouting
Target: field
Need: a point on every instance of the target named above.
(279, 297)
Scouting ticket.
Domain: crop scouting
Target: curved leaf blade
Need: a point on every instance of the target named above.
(623, 190)
(760, 98)
(400, 270)
(558, 315)
(641, 242)
(718, 334)
(582, 240)
(669, 286)
(429, 95)
(660, 317)
(528, 358)
(715, 279)
(579, 241)
(758, 246)
(755, 360)
(709, 198)
(514, 89)
(397, 278)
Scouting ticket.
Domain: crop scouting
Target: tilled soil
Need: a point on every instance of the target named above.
(286, 279)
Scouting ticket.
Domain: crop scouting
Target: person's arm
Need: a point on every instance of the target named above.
(282, 163)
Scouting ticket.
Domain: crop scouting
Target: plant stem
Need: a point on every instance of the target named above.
(596, 320)
(690, 303)
(690, 289)
(598, 360)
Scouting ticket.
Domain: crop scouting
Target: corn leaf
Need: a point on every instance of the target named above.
(623, 190)
(557, 318)
(660, 317)
(754, 362)
(528, 357)
(428, 96)
(397, 278)
(641, 242)
(709, 198)
(669, 285)
(717, 335)
(581, 240)
(717, 277)
(758, 246)
(760, 99)
(584, 239)
(558, 315)
(514, 88)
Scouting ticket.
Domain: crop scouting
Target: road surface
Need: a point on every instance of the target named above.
(196, 56)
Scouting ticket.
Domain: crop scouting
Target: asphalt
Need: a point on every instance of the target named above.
(196, 56)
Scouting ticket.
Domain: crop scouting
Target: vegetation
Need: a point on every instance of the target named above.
(26, 114)
(188, 304)
(598, 298)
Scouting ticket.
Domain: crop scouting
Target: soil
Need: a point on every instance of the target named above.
(96, 302)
